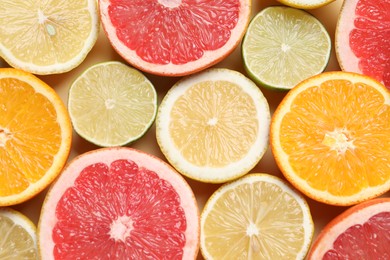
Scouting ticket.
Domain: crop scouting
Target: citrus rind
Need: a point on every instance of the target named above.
(281, 157)
(207, 173)
(101, 88)
(251, 179)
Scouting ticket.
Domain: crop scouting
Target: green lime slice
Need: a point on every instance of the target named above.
(284, 46)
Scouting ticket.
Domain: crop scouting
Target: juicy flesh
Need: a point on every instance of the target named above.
(119, 211)
(29, 136)
(340, 140)
(112, 105)
(37, 33)
(214, 123)
(15, 241)
(370, 39)
(370, 240)
(177, 32)
(285, 42)
(254, 221)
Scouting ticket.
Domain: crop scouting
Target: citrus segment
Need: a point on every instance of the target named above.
(213, 126)
(18, 239)
(122, 203)
(362, 38)
(360, 232)
(331, 137)
(174, 38)
(47, 37)
(284, 46)
(306, 4)
(256, 217)
(35, 136)
(111, 104)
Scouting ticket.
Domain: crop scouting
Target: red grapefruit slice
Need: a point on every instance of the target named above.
(119, 203)
(360, 232)
(174, 37)
(362, 38)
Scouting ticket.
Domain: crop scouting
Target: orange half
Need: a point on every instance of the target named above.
(35, 136)
(331, 137)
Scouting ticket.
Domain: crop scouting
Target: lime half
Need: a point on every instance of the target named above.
(112, 104)
(284, 46)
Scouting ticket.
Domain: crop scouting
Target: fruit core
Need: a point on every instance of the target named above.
(120, 228)
(170, 3)
(253, 232)
(5, 135)
(43, 19)
(338, 141)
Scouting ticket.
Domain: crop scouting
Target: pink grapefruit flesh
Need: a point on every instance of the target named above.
(119, 203)
(361, 232)
(174, 37)
(363, 38)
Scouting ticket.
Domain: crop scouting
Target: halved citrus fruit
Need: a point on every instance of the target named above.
(284, 46)
(330, 137)
(360, 232)
(213, 126)
(258, 216)
(18, 238)
(111, 104)
(47, 37)
(174, 38)
(306, 4)
(35, 135)
(119, 203)
(362, 38)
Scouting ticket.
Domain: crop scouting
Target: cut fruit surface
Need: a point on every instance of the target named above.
(362, 38)
(360, 232)
(330, 137)
(119, 203)
(306, 4)
(35, 136)
(111, 104)
(284, 46)
(213, 126)
(258, 216)
(47, 37)
(18, 238)
(174, 38)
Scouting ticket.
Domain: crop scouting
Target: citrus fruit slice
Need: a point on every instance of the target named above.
(306, 4)
(257, 216)
(119, 203)
(284, 46)
(362, 38)
(47, 37)
(360, 232)
(35, 136)
(330, 137)
(18, 238)
(174, 38)
(111, 104)
(213, 126)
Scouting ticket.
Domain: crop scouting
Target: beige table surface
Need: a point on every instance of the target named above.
(102, 51)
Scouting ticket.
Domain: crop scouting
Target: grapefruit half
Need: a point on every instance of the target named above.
(119, 203)
(360, 232)
(362, 38)
(174, 38)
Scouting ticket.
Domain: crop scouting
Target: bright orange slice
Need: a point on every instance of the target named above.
(35, 135)
(331, 137)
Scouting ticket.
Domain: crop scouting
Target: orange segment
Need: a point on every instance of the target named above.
(35, 136)
(331, 137)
